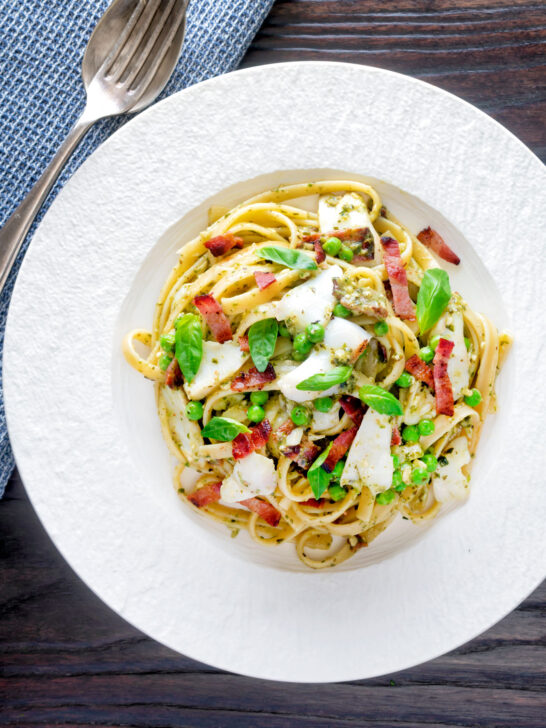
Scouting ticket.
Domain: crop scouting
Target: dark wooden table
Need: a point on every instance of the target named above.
(68, 660)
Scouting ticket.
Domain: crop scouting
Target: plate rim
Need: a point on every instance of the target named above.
(10, 416)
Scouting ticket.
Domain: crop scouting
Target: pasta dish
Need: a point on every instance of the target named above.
(315, 373)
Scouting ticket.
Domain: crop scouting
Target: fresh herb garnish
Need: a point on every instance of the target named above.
(189, 345)
(287, 256)
(223, 429)
(320, 382)
(380, 400)
(262, 337)
(433, 297)
(318, 478)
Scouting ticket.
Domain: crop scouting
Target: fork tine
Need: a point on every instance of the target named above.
(134, 38)
(147, 44)
(127, 30)
(144, 75)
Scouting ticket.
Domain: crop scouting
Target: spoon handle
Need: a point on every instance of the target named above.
(17, 225)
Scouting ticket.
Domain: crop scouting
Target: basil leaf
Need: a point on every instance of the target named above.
(380, 400)
(262, 337)
(433, 297)
(223, 428)
(320, 382)
(287, 256)
(188, 344)
(318, 478)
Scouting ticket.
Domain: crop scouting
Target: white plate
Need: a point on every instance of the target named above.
(83, 425)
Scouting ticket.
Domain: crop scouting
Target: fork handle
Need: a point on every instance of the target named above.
(17, 225)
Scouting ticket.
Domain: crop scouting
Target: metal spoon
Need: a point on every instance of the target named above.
(128, 60)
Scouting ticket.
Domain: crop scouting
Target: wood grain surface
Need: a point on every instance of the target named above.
(67, 660)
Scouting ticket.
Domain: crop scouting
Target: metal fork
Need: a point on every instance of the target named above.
(128, 60)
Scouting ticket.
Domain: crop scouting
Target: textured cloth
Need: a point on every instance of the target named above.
(41, 95)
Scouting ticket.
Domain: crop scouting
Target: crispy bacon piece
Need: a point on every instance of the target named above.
(438, 245)
(420, 370)
(403, 305)
(247, 442)
(284, 429)
(264, 509)
(339, 447)
(223, 244)
(313, 503)
(243, 343)
(320, 255)
(264, 279)
(205, 495)
(304, 454)
(353, 407)
(442, 383)
(252, 379)
(395, 437)
(216, 319)
(173, 375)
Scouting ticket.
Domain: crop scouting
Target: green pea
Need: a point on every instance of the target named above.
(345, 254)
(426, 353)
(474, 398)
(299, 416)
(426, 427)
(340, 310)
(164, 361)
(302, 343)
(397, 482)
(166, 341)
(337, 492)
(283, 331)
(324, 404)
(315, 332)
(332, 246)
(430, 461)
(298, 355)
(419, 475)
(395, 461)
(259, 397)
(467, 343)
(381, 328)
(338, 469)
(194, 410)
(433, 343)
(404, 380)
(410, 433)
(386, 497)
(255, 413)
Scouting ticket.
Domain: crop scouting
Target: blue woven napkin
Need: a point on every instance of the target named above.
(41, 95)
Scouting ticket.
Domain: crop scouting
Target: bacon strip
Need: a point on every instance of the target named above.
(420, 370)
(205, 495)
(284, 429)
(442, 383)
(253, 379)
(264, 279)
(243, 343)
(403, 305)
(304, 454)
(313, 503)
(264, 509)
(216, 319)
(352, 407)
(438, 245)
(173, 375)
(320, 255)
(223, 243)
(247, 442)
(339, 447)
(396, 439)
